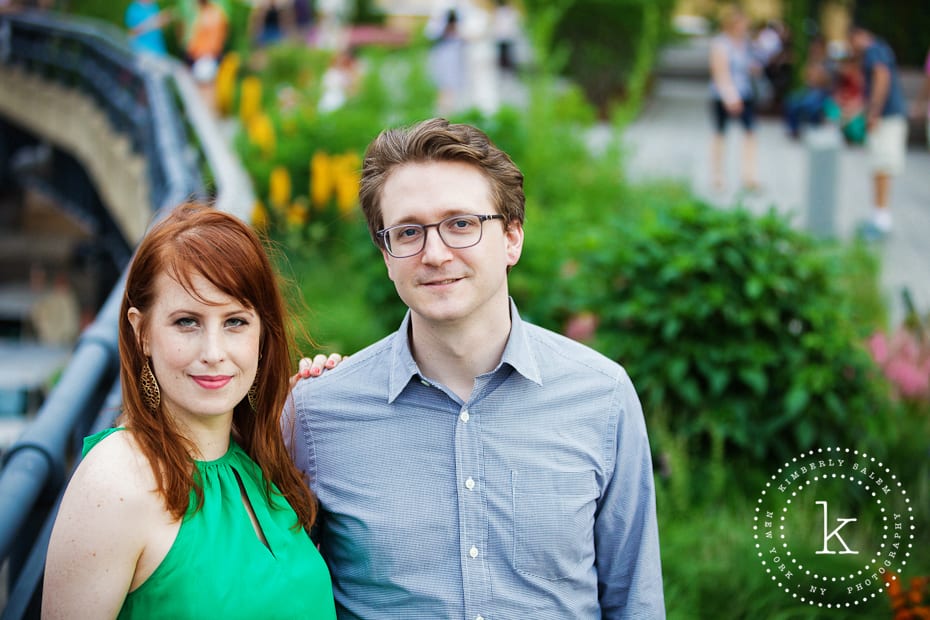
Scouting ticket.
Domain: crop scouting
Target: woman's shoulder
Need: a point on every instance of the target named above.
(115, 466)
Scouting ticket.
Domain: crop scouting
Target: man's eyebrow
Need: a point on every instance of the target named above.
(444, 215)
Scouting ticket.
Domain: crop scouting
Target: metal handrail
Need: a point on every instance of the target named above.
(139, 102)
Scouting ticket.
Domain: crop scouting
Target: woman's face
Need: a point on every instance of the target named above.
(204, 349)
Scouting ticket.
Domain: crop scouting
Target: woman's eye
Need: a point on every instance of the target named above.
(186, 322)
(236, 322)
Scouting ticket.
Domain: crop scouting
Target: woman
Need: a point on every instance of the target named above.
(205, 47)
(193, 505)
(732, 67)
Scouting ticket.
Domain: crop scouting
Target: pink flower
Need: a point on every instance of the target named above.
(581, 326)
(912, 380)
(878, 347)
(905, 362)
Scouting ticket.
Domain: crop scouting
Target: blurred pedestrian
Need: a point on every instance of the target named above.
(340, 81)
(505, 23)
(886, 122)
(145, 20)
(447, 64)
(271, 21)
(773, 50)
(846, 105)
(205, 46)
(732, 68)
(807, 104)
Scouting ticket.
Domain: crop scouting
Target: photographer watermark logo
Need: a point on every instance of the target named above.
(831, 525)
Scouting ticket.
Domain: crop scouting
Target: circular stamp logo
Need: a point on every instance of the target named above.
(832, 527)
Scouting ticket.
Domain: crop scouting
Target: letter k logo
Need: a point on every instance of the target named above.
(836, 532)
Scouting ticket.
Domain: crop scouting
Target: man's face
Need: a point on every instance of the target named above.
(443, 286)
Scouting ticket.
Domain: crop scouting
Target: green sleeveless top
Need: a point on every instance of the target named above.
(219, 568)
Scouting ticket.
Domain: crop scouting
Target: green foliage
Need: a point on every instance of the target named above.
(608, 46)
(705, 508)
(366, 12)
(735, 324)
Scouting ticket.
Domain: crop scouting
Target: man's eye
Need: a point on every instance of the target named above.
(408, 233)
(460, 225)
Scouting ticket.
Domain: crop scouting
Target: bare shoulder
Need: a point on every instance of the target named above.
(116, 467)
(112, 493)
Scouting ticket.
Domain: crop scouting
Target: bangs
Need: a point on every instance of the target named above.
(193, 254)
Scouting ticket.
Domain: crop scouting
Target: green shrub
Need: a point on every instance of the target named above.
(736, 325)
(607, 46)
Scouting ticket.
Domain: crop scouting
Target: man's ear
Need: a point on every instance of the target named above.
(135, 319)
(387, 263)
(513, 236)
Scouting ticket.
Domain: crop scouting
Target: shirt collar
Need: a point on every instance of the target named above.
(517, 353)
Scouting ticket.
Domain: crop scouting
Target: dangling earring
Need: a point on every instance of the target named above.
(253, 394)
(151, 395)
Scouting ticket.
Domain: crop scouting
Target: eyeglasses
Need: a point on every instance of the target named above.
(457, 232)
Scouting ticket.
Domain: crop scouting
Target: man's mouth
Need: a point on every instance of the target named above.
(442, 282)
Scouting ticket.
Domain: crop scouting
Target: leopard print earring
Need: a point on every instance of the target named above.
(253, 394)
(151, 395)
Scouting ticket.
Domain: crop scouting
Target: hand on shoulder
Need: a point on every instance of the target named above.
(315, 366)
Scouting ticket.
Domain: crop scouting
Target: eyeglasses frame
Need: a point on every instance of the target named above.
(381, 234)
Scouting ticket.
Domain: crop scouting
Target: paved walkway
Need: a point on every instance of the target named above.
(671, 139)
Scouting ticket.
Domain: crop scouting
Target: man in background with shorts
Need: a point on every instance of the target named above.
(886, 122)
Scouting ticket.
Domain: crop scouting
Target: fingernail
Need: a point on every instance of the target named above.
(315, 372)
(304, 372)
(330, 363)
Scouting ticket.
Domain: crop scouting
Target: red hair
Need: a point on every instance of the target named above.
(193, 240)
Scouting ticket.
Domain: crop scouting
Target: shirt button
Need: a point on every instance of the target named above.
(469, 484)
(473, 552)
(479, 617)
(464, 415)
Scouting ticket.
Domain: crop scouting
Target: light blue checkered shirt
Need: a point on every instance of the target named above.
(534, 499)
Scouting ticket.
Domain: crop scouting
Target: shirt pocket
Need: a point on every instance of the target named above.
(553, 522)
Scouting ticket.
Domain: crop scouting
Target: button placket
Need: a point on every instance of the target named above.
(473, 513)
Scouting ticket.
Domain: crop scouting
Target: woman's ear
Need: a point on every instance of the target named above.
(135, 319)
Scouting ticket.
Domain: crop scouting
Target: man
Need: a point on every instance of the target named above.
(472, 465)
(886, 122)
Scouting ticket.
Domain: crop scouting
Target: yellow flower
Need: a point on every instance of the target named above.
(347, 176)
(259, 215)
(279, 187)
(322, 183)
(226, 82)
(296, 215)
(250, 100)
(261, 134)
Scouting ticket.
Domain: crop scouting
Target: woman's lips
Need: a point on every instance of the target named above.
(212, 382)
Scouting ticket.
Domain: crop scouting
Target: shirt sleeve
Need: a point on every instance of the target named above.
(625, 530)
(295, 436)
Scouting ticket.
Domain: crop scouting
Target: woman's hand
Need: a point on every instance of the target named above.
(315, 366)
